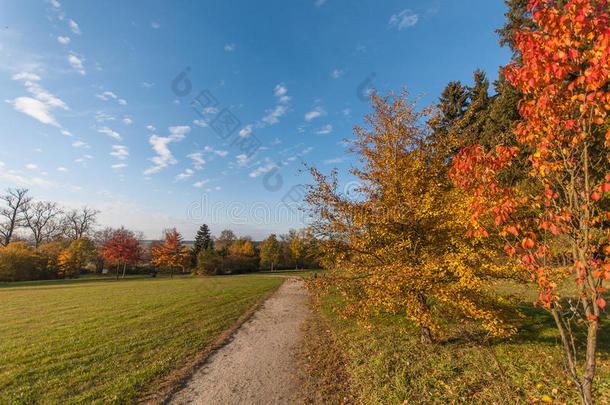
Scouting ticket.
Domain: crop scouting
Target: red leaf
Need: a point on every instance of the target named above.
(596, 196)
(601, 302)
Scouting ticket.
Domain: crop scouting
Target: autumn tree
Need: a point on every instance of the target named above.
(297, 250)
(11, 213)
(73, 259)
(172, 253)
(555, 222)
(270, 252)
(399, 239)
(121, 249)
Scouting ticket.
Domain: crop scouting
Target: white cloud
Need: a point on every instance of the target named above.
(201, 183)
(200, 123)
(346, 111)
(274, 114)
(31, 166)
(179, 132)
(119, 165)
(55, 3)
(76, 63)
(221, 153)
(66, 132)
(337, 73)
(120, 152)
(242, 160)
(155, 25)
(280, 90)
(40, 106)
(151, 128)
(334, 161)
(35, 109)
(147, 85)
(63, 40)
(74, 27)
(80, 144)
(122, 101)
(406, 18)
(102, 116)
(183, 176)
(197, 158)
(326, 129)
(164, 156)
(262, 169)
(245, 131)
(26, 76)
(315, 113)
(229, 47)
(62, 169)
(110, 133)
(106, 96)
(127, 121)
(319, 3)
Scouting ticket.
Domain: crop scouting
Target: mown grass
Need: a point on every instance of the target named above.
(106, 341)
(387, 364)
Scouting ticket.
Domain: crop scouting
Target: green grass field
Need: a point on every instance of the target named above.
(105, 341)
(386, 364)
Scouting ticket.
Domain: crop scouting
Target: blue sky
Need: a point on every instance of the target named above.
(94, 111)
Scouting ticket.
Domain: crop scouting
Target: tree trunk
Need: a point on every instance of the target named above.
(589, 371)
(271, 266)
(171, 272)
(117, 271)
(124, 266)
(425, 337)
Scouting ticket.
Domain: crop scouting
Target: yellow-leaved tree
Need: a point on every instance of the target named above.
(398, 238)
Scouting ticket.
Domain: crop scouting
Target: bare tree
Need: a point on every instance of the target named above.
(42, 218)
(11, 217)
(79, 222)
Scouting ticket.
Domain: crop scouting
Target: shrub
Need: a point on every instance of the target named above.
(19, 262)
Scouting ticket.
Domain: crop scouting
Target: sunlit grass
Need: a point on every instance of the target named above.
(108, 341)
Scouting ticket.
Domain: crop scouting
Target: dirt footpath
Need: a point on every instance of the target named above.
(260, 363)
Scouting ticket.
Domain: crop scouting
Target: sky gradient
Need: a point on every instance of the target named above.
(94, 109)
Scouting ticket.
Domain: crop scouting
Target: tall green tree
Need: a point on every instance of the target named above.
(271, 252)
(203, 240)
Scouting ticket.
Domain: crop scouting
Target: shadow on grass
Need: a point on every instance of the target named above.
(55, 283)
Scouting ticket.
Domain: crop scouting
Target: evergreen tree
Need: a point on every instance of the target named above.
(203, 240)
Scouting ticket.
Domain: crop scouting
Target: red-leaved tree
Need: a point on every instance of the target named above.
(556, 221)
(121, 249)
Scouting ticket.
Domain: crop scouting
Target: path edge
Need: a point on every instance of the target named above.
(177, 379)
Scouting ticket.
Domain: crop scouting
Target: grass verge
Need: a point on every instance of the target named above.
(387, 364)
(109, 342)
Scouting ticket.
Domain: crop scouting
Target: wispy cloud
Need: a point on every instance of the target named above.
(185, 175)
(155, 25)
(147, 85)
(120, 152)
(406, 18)
(337, 73)
(63, 40)
(76, 63)
(198, 160)
(127, 121)
(40, 106)
(119, 165)
(201, 183)
(274, 114)
(319, 3)
(74, 27)
(80, 144)
(229, 47)
(110, 133)
(164, 156)
(315, 113)
(326, 129)
(334, 161)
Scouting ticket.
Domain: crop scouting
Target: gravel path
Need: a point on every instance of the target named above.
(260, 363)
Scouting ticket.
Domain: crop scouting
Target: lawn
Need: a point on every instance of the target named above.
(106, 341)
(384, 363)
